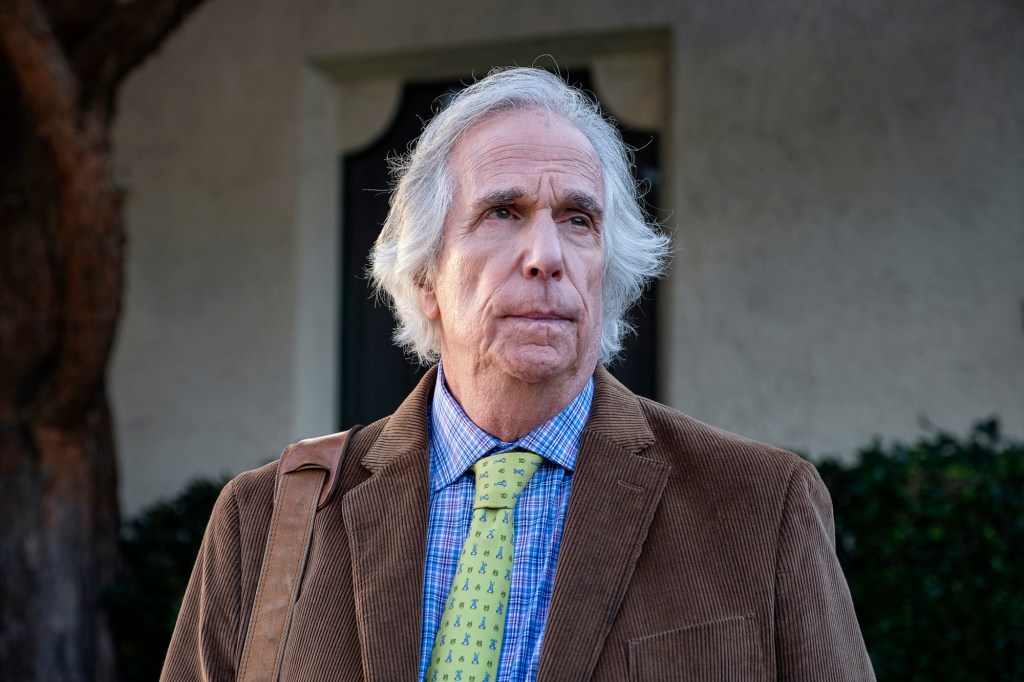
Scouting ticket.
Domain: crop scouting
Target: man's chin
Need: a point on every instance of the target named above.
(540, 364)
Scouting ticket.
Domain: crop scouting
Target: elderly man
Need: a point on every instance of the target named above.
(522, 515)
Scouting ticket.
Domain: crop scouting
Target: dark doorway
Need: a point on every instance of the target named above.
(375, 375)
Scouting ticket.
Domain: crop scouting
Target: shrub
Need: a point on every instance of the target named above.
(930, 536)
(158, 549)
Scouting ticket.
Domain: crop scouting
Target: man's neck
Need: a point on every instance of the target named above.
(509, 408)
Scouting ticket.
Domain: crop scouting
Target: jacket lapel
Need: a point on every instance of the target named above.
(386, 521)
(615, 491)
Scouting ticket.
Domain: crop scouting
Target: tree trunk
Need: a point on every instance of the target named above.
(57, 463)
(58, 549)
(61, 272)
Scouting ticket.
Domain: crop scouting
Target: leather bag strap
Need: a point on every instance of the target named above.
(307, 476)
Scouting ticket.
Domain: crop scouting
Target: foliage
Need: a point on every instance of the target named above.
(930, 536)
(158, 549)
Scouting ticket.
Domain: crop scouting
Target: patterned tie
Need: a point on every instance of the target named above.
(469, 639)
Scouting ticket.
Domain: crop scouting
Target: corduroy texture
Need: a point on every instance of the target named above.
(689, 553)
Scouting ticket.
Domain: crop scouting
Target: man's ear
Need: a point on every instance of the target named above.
(428, 300)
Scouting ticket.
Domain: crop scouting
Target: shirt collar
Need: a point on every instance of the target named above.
(456, 442)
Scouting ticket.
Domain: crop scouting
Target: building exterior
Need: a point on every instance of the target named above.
(843, 183)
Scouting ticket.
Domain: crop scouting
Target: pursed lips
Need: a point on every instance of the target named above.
(540, 316)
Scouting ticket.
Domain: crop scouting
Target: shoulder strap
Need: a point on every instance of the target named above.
(307, 476)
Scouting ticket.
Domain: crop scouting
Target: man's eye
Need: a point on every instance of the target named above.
(502, 213)
(580, 221)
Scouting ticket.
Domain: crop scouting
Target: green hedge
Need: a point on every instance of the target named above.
(158, 549)
(930, 535)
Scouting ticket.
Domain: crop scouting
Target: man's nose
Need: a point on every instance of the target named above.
(543, 249)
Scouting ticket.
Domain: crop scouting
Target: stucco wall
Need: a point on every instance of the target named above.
(844, 183)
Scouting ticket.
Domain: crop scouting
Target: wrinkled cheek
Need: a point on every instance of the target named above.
(592, 340)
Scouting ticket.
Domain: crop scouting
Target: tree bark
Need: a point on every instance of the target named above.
(61, 276)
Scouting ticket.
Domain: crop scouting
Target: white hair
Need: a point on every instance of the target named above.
(405, 254)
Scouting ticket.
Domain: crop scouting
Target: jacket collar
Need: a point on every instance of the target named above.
(406, 429)
(615, 416)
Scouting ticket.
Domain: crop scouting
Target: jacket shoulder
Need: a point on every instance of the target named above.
(253, 484)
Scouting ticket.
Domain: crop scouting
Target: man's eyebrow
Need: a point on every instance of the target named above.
(585, 201)
(499, 197)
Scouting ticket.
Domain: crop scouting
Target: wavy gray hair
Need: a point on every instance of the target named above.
(406, 252)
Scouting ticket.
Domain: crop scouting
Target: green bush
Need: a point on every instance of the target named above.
(930, 536)
(158, 549)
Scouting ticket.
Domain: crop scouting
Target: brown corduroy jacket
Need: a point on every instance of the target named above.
(689, 553)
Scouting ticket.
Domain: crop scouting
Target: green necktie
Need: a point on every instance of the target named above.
(472, 629)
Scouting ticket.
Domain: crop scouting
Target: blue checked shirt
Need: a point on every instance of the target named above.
(455, 444)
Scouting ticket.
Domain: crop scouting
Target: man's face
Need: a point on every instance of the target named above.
(518, 284)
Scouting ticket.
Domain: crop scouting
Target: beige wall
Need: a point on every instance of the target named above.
(844, 183)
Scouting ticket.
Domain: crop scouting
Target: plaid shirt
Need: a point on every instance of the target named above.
(455, 444)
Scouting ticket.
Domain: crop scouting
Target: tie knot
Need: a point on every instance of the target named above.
(501, 478)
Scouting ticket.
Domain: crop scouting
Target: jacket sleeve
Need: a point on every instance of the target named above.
(206, 638)
(817, 635)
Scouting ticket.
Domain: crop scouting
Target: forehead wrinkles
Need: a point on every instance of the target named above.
(518, 157)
